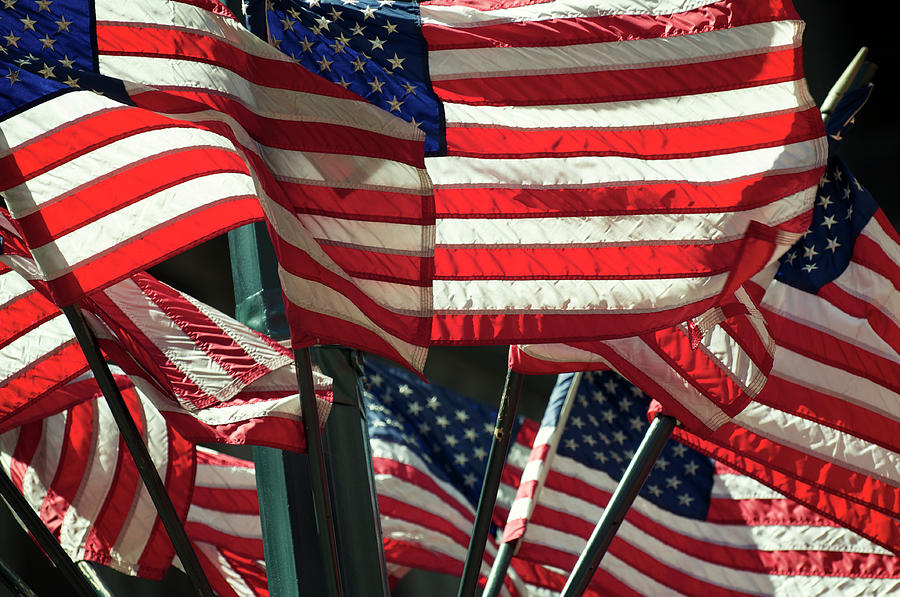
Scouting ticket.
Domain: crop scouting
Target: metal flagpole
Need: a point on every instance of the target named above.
(51, 547)
(138, 450)
(507, 550)
(844, 83)
(638, 469)
(506, 414)
(14, 583)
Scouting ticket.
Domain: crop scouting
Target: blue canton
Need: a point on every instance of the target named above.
(374, 49)
(843, 207)
(47, 48)
(451, 432)
(605, 426)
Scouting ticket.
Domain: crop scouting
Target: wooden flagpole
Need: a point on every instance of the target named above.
(45, 539)
(138, 450)
(506, 414)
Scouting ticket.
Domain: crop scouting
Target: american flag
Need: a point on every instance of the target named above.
(703, 372)
(825, 428)
(697, 527)
(599, 171)
(213, 378)
(133, 130)
(429, 450)
(74, 470)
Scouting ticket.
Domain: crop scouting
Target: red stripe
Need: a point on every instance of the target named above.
(524, 328)
(24, 398)
(73, 463)
(671, 142)
(821, 346)
(412, 475)
(667, 197)
(433, 521)
(863, 519)
(27, 443)
(122, 492)
(226, 500)
(559, 32)
(868, 309)
(208, 337)
(133, 183)
(611, 86)
(869, 254)
(603, 584)
(652, 260)
(763, 512)
(387, 267)
(24, 314)
(155, 246)
(251, 548)
(272, 431)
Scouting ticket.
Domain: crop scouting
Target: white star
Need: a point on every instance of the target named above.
(691, 468)
(395, 104)
(434, 403)
(571, 444)
(825, 201)
(637, 423)
(470, 480)
(829, 221)
(679, 449)
(809, 267)
(673, 482)
(601, 457)
(376, 84)
(832, 245)
(376, 380)
(625, 404)
(655, 490)
(414, 408)
(577, 421)
(471, 434)
(810, 252)
(619, 436)
(450, 440)
(368, 13)
(325, 64)
(589, 440)
(685, 500)
(405, 390)
(377, 43)
(442, 421)
(661, 463)
(611, 386)
(479, 453)
(462, 416)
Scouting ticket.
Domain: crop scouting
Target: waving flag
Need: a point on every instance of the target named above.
(75, 472)
(130, 131)
(213, 378)
(825, 429)
(598, 172)
(697, 528)
(703, 372)
(429, 449)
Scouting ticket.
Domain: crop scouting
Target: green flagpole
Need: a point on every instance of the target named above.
(294, 559)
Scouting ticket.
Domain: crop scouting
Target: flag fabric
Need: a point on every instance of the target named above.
(599, 171)
(696, 528)
(133, 130)
(213, 378)
(75, 471)
(825, 428)
(703, 372)
(429, 450)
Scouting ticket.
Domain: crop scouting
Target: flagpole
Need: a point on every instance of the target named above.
(626, 491)
(506, 414)
(507, 549)
(844, 82)
(14, 583)
(319, 484)
(45, 539)
(138, 450)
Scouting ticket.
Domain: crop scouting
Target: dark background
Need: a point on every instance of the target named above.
(835, 32)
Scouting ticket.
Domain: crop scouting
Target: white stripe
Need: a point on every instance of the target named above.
(245, 526)
(132, 541)
(250, 342)
(636, 114)
(821, 377)
(819, 314)
(867, 285)
(226, 571)
(95, 484)
(319, 298)
(560, 353)
(23, 352)
(44, 463)
(196, 364)
(874, 232)
(217, 476)
(613, 55)
(345, 171)
(55, 113)
(572, 296)
(136, 220)
(106, 161)
(172, 74)
(741, 487)
(382, 237)
(464, 16)
(8, 441)
(13, 287)
(592, 171)
(619, 230)
(805, 436)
